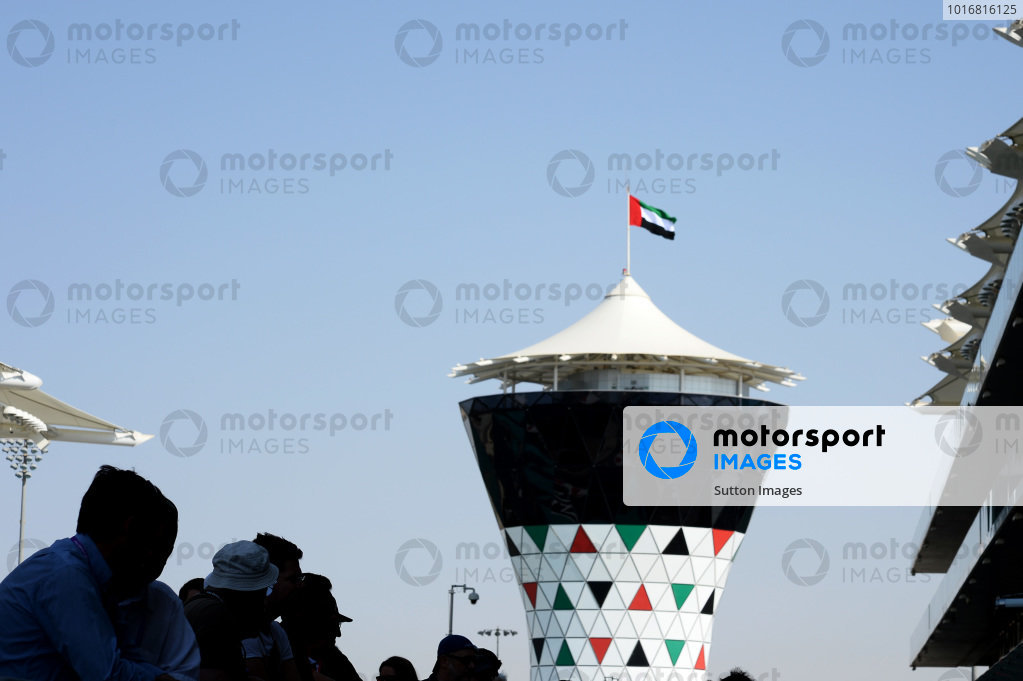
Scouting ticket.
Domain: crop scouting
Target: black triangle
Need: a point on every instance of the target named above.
(512, 551)
(638, 657)
(600, 590)
(677, 546)
(538, 648)
(708, 607)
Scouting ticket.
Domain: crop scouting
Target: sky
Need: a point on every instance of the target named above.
(273, 210)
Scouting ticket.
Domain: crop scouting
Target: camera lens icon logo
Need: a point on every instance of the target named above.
(688, 443)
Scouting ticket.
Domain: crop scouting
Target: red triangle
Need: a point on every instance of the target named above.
(720, 537)
(582, 543)
(600, 646)
(530, 588)
(641, 601)
(700, 664)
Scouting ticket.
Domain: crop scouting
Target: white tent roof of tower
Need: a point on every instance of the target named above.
(26, 412)
(626, 331)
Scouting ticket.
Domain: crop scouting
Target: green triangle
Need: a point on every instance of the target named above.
(674, 649)
(681, 593)
(564, 656)
(630, 534)
(539, 535)
(562, 602)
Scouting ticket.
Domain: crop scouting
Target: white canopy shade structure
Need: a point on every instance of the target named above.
(28, 413)
(993, 242)
(626, 334)
(30, 419)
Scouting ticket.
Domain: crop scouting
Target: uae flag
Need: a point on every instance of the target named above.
(650, 218)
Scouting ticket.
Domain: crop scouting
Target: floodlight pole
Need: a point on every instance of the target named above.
(21, 525)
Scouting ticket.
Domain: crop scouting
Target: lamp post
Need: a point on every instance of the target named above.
(497, 634)
(23, 455)
(473, 597)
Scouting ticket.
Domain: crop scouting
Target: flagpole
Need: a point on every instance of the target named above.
(628, 232)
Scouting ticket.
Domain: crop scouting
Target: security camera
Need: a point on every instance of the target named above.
(473, 597)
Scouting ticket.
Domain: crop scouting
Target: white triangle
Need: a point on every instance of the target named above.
(651, 629)
(644, 562)
(703, 570)
(533, 561)
(626, 630)
(515, 534)
(535, 628)
(699, 541)
(571, 572)
(627, 590)
(585, 659)
(548, 572)
(722, 568)
(575, 628)
(613, 618)
(645, 544)
(656, 591)
(586, 601)
(614, 562)
(665, 620)
(549, 591)
(684, 574)
(576, 647)
(587, 619)
(557, 561)
(690, 624)
(522, 570)
(599, 572)
(546, 656)
(573, 591)
(657, 653)
(640, 618)
(543, 617)
(542, 602)
(662, 534)
(597, 534)
(599, 627)
(657, 573)
(675, 630)
(583, 562)
(628, 572)
(554, 629)
(564, 533)
(526, 544)
(564, 618)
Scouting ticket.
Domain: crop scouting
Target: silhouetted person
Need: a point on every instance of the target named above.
(737, 675)
(487, 665)
(56, 607)
(192, 587)
(231, 609)
(397, 669)
(456, 659)
(286, 556)
(313, 623)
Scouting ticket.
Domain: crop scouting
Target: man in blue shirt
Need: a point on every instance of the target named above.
(55, 622)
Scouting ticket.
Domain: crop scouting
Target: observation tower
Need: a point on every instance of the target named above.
(611, 591)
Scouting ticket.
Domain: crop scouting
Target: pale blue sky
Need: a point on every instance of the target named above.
(313, 326)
